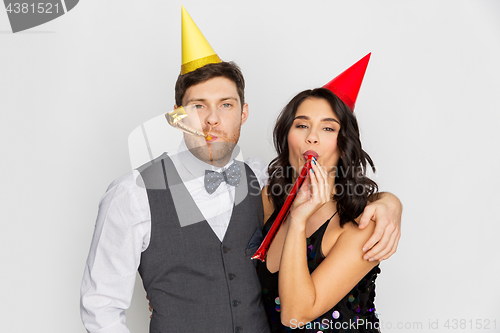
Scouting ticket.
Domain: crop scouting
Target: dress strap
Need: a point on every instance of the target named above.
(328, 221)
(321, 230)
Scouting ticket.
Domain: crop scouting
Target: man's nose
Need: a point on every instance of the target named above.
(212, 117)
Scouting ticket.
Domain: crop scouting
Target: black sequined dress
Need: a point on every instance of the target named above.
(354, 313)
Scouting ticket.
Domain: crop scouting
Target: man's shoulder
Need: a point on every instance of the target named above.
(153, 164)
(127, 193)
(151, 175)
(129, 182)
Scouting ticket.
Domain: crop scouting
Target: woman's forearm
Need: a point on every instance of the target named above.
(296, 288)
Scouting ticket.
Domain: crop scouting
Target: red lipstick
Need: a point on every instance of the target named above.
(310, 153)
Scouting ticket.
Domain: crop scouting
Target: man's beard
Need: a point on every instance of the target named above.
(215, 153)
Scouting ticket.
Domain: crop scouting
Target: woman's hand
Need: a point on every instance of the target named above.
(313, 194)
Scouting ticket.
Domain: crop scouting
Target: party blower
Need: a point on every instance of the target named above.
(174, 119)
(155, 136)
(266, 243)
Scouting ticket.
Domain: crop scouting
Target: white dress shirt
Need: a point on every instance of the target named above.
(123, 231)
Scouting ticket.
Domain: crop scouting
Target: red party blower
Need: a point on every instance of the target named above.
(266, 243)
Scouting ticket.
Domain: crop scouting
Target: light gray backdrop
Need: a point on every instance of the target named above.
(72, 90)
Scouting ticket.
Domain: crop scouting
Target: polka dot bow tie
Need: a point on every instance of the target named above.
(213, 179)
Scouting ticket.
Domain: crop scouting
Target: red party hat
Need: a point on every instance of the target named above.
(346, 85)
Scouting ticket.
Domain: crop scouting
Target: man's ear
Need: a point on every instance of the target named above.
(244, 113)
(175, 106)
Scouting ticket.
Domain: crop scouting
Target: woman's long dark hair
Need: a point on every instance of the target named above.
(351, 184)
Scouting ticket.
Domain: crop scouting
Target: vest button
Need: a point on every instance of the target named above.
(231, 276)
(236, 303)
(238, 329)
(225, 249)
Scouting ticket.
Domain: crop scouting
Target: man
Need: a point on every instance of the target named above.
(190, 220)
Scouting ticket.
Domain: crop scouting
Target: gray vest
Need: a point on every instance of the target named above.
(195, 282)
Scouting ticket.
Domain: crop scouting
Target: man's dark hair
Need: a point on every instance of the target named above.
(228, 70)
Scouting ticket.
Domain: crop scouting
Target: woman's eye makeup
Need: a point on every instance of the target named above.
(326, 129)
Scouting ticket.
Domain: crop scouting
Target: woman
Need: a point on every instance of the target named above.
(314, 275)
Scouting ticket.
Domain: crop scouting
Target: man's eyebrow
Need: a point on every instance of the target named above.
(226, 98)
(195, 100)
(204, 100)
(324, 119)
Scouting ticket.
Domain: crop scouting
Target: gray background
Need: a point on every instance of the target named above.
(73, 89)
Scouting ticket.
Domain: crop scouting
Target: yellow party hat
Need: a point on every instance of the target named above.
(196, 52)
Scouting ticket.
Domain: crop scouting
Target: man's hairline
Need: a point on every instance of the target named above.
(242, 103)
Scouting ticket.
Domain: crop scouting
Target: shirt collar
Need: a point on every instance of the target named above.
(195, 166)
